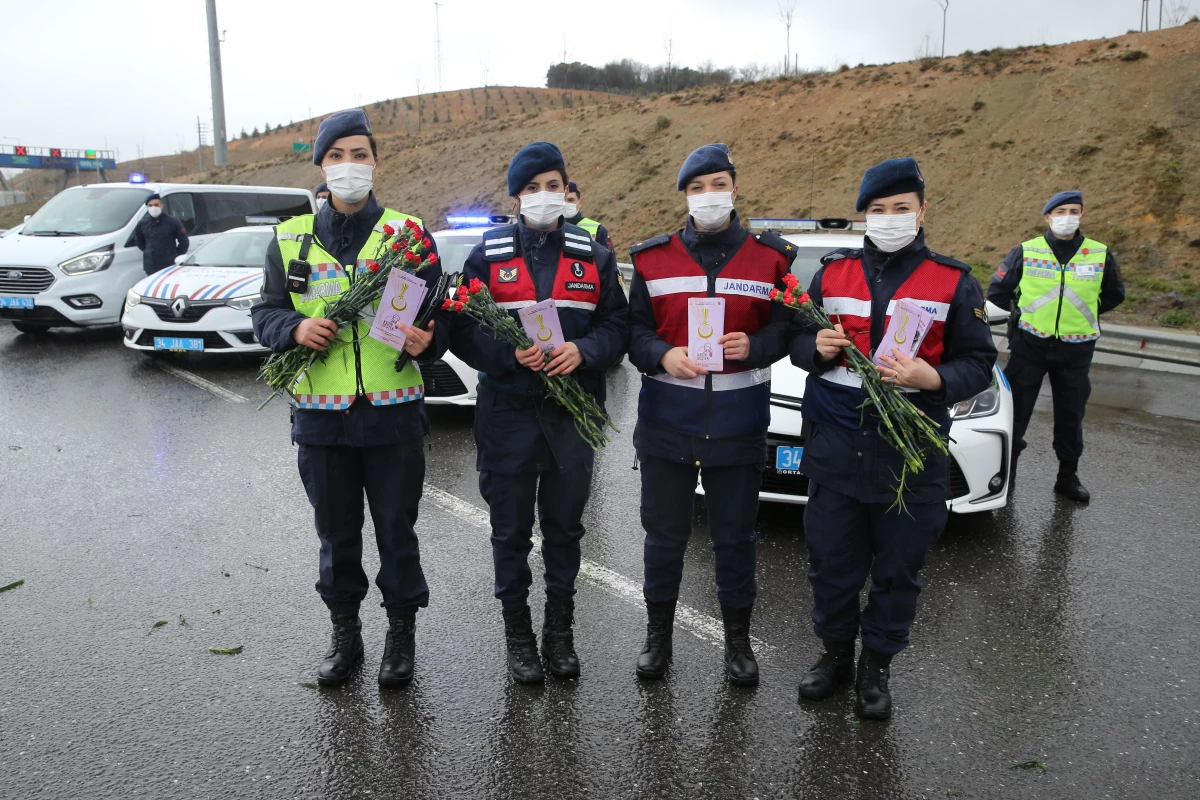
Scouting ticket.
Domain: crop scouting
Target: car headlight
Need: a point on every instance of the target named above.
(243, 303)
(983, 404)
(94, 261)
(132, 299)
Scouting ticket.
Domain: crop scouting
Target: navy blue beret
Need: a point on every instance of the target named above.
(155, 196)
(351, 122)
(321, 188)
(704, 161)
(533, 159)
(889, 178)
(1062, 198)
(571, 187)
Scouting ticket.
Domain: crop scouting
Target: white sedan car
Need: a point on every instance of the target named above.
(981, 427)
(202, 304)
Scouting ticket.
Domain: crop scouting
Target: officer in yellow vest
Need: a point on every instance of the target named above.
(574, 216)
(358, 422)
(1062, 282)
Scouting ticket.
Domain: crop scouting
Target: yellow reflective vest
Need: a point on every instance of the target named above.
(1061, 300)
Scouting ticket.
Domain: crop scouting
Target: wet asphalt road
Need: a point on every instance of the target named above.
(1046, 632)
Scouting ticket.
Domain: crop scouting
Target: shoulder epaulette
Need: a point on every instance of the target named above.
(840, 253)
(501, 243)
(648, 243)
(577, 242)
(776, 242)
(948, 261)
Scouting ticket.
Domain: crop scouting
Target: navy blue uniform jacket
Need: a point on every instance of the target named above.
(275, 318)
(160, 241)
(849, 456)
(509, 441)
(712, 251)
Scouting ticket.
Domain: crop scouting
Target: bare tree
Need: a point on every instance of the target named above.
(787, 11)
(1176, 13)
(945, 6)
(669, 49)
(926, 50)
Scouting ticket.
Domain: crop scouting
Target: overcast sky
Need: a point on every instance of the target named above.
(121, 73)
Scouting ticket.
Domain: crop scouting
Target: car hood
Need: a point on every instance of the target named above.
(787, 379)
(18, 250)
(201, 283)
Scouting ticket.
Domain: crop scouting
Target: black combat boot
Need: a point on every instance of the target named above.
(1068, 484)
(740, 667)
(396, 669)
(558, 640)
(660, 621)
(345, 651)
(834, 668)
(874, 700)
(523, 661)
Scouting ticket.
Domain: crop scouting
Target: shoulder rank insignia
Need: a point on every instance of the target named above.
(648, 243)
(508, 274)
(776, 242)
(981, 313)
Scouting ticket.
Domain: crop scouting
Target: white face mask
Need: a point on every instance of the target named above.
(711, 209)
(321, 201)
(350, 182)
(892, 232)
(154, 211)
(1064, 226)
(542, 209)
(570, 210)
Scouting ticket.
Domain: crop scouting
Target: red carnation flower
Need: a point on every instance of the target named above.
(433, 259)
(461, 293)
(803, 299)
(458, 305)
(411, 225)
(412, 257)
(397, 246)
(373, 266)
(446, 305)
(774, 293)
(474, 286)
(388, 230)
(427, 243)
(790, 280)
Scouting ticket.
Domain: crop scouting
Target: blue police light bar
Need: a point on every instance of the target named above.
(802, 224)
(137, 177)
(477, 220)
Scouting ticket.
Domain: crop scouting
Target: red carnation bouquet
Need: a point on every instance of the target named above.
(407, 249)
(901, 424)
(476, 302)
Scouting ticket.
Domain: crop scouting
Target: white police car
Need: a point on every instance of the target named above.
(981, 428)
(202, 304)
(449, 381)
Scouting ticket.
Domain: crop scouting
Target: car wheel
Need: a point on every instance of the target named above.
(31, 327)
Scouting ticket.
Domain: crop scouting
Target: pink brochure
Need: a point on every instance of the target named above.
(541, 324)
(400, 302)
(908, 326)
(706, 325)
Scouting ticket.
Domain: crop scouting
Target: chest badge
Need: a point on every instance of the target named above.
(508, 274)
(577, 269)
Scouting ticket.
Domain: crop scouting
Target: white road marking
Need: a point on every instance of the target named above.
(702, 625)
(197, 381)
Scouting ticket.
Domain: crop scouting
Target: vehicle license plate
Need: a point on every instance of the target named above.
(787, 460)
(177, 344)
(16, 302)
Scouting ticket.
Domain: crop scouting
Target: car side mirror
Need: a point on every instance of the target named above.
(181, 259)
(28, 217)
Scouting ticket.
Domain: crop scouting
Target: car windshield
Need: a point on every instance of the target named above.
(87, 212)
(234, 249)
(453, 249)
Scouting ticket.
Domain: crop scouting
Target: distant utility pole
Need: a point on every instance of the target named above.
(787, 11)
(220, 148)
(1160, 9)
(1144, 22)
(437, 31)
(419, 112)
(945, 6)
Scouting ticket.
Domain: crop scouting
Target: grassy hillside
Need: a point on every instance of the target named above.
(996, 134)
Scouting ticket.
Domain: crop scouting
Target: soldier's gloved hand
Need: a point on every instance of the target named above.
(533, 358)
(678, 365)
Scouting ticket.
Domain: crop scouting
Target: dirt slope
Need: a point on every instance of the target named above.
(996, 134)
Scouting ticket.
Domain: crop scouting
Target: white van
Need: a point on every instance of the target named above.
(73, 262)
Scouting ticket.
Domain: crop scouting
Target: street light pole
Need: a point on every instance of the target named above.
(220, 148)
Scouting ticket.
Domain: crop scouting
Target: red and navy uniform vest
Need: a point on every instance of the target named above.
(576, 291)
(846, 298)
(735, 401)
